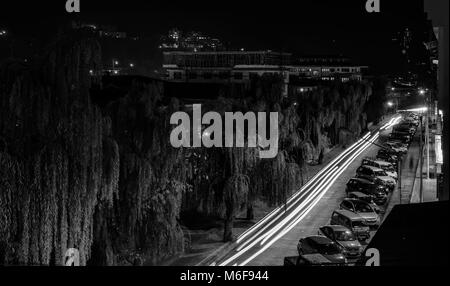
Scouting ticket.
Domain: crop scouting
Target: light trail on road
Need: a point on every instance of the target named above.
(301, 191)
(302, 215)
(281, 220)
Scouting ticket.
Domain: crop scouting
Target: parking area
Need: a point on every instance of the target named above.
(320, 215)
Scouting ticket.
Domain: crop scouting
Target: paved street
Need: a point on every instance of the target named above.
(276, 236)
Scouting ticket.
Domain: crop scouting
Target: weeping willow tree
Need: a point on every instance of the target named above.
(56, 165)
(235, 193)
(108, 182)
(105, 182)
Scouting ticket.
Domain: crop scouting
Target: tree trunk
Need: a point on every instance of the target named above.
(250, 212)
(228, 225)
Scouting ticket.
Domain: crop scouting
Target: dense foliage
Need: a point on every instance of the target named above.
(107, 181)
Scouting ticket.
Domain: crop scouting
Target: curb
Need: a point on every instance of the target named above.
(414, 198)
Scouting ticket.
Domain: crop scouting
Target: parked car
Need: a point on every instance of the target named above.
(387, 167)
(352, 221)
(405, 127)
(366, 198)
(377, 192)
(404, 137)
(412, 120)
(370, 172)
(400, 143)
(319, 244)
(377, 182)
(388, 156)
(343, 237)
(365, 210)
(397, 146)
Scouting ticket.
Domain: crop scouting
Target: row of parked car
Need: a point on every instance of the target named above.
(360, 211)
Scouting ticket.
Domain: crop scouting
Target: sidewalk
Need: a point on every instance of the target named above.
(410, 185)
(429, 186)
(409, 167)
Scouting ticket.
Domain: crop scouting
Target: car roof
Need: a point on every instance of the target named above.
(372, 168)
(319, 239)
(379, 162)
(336, 227)
(362, 180)
(383, 163)
(349, 214)
(359, 194)
(354, 200)
(316, 258)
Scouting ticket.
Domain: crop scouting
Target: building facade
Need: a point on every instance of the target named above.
(242, 66)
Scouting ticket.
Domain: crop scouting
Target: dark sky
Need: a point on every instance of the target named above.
(301, 26)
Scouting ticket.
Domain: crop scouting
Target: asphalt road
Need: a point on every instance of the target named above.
(276, 235)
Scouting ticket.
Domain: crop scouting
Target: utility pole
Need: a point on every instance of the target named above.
(399, 172)
(427, 136)
(421, 158)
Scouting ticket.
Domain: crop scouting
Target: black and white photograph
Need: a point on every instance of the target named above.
(197, 135)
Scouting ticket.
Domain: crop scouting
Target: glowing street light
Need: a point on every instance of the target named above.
(422, 92)
(390, 103)
(131, 65)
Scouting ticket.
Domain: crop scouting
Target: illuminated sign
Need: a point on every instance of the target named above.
(438, 149)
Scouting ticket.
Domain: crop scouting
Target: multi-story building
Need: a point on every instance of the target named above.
(242, 66)
(223, 67)
(329, 72)
(327, 68)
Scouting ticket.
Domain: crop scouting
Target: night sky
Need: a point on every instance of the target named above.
(302, 27)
